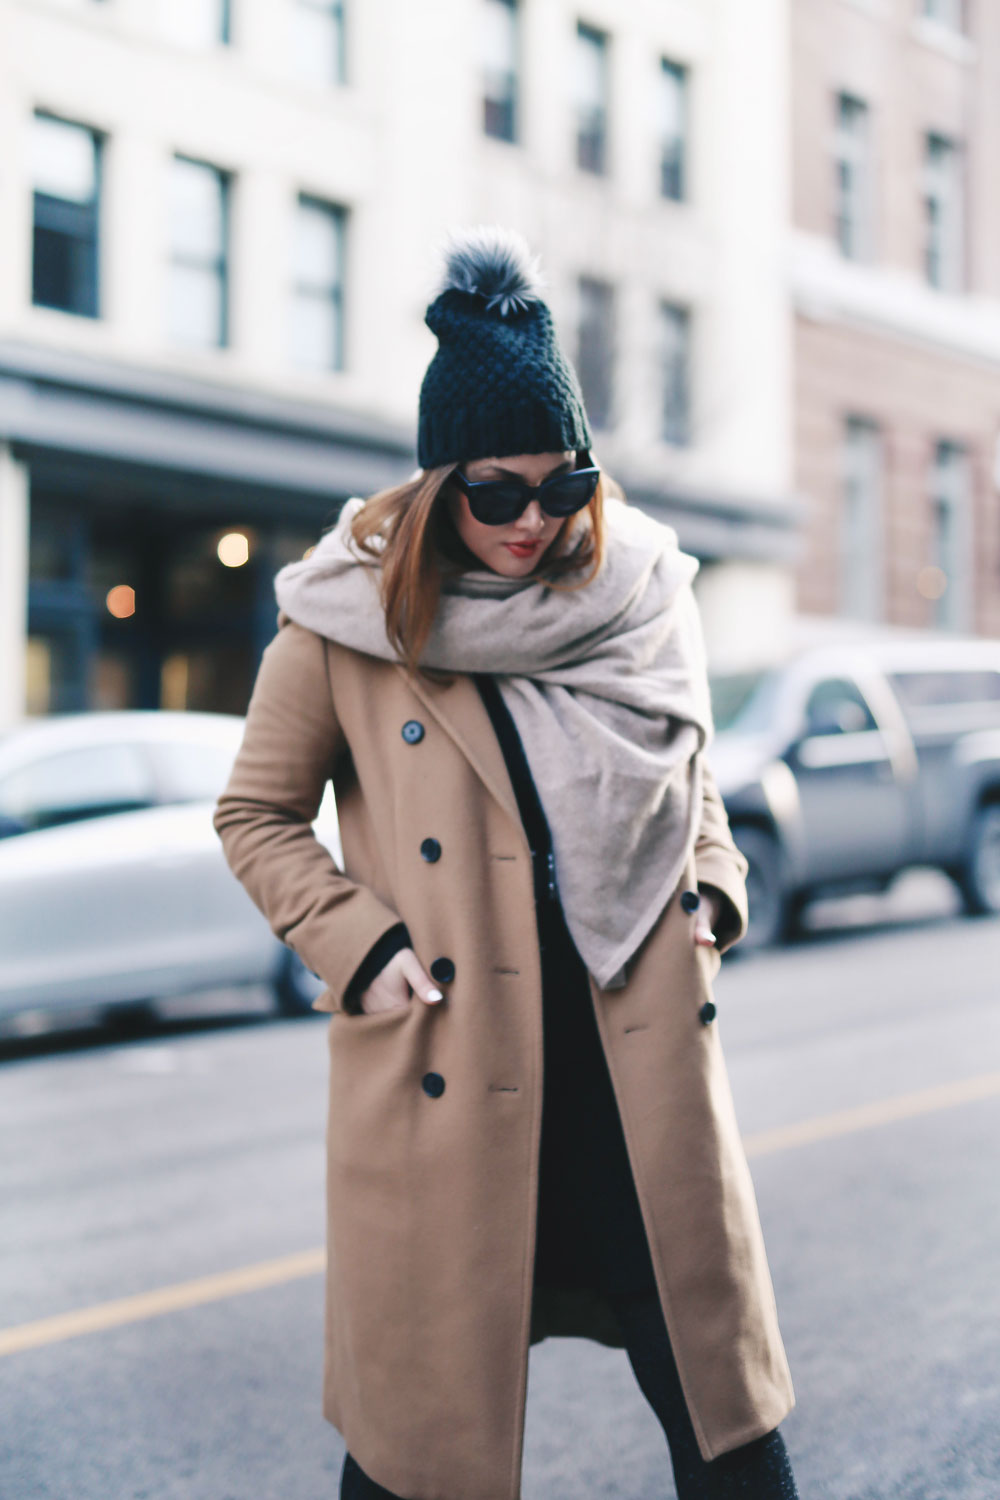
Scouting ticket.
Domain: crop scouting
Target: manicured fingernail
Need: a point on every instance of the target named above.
(434, 995)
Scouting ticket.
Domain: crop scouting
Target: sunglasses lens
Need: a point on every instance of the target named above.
(497, 504)
(570, 492)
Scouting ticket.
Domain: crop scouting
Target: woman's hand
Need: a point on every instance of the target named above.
(401, 979)
(706, 916)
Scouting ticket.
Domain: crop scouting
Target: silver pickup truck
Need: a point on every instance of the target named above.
(843, 764)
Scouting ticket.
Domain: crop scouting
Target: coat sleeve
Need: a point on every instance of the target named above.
(291, 741)
(720, 864)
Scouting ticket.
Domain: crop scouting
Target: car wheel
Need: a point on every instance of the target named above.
(979, 876)
(766, 900)
(296, 987)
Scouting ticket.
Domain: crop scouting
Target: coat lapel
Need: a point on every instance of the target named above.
(460, 711)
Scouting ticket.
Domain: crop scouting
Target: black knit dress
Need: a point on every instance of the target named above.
(590, 1229)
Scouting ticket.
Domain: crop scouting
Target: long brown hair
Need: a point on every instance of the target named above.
(409, 530)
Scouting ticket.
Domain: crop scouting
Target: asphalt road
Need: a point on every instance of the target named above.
(866, 1067)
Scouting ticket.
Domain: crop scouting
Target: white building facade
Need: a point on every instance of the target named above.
(219, 229)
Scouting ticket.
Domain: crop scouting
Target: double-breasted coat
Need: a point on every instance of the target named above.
(434, 1111)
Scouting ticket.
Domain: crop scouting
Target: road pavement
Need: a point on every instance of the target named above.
(865, 1062)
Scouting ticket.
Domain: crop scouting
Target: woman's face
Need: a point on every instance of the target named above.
(517, 549)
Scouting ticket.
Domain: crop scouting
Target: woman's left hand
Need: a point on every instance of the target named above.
(706, 916)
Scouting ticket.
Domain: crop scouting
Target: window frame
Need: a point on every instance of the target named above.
(54, 208)
(595, 164)
(945, 240)
(854, 203)
(336, 11)
(600, 406)
(956, 20)
(681, 316)
(950, 494)
(862, 542)
(511, 102)
(221, 268)
(681, 73)
(338, 215)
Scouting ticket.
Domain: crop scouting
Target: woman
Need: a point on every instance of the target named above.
(530, 1132)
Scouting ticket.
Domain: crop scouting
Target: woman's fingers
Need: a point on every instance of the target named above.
(419, 981)
(706, 918)
(389, 989)
(402, 977)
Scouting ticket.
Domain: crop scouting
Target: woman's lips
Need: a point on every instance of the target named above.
(522, 549)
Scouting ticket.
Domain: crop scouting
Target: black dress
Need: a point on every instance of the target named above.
(590, 1231)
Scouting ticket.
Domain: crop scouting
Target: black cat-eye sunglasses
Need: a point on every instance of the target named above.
(498, 502)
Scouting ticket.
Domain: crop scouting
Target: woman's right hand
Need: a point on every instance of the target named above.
(401, 979)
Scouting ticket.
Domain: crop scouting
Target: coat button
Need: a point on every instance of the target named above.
(690, 900)
(707, 1013)
(443, 970)
(433, 1084)
(430, 849)
(413, 731)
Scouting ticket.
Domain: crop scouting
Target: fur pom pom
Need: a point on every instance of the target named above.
(492, 262)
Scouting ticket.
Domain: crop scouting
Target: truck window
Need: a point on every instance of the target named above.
(838, 699)
(929, 689)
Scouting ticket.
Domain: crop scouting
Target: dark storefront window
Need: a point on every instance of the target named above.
(146, 609)
(66, 178)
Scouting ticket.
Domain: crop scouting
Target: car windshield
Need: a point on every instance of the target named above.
(740, 699)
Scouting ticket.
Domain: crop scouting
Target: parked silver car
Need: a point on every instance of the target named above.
(113, 886)
(845, 763)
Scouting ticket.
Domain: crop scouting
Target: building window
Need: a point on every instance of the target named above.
(195, 23)
(500, 68)
(318, 41)
(944, 247)
(673, 130)
(950, 537)
(318, 286)
(199, 213)
(591, 65)
(596, 348)
(853, 184)
(950, 13)
(66, 178)
(675, 335)
(861, 528)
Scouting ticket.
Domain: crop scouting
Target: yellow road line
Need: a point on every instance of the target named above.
(164, 1300)
(866, 1116)
(216, 1288)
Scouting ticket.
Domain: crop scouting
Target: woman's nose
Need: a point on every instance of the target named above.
(531, 518)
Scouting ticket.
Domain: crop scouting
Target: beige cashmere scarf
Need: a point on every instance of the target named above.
(607, 687)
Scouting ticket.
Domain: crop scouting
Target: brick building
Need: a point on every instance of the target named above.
(895, 274)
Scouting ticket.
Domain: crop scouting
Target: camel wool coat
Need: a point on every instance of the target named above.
(434, 1111)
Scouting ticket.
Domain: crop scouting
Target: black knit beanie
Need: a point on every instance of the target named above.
(499, 382)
